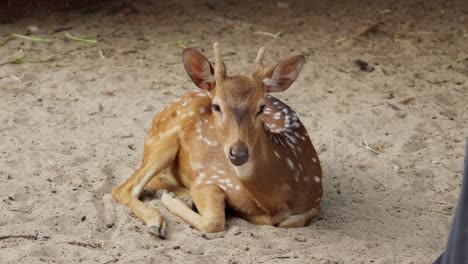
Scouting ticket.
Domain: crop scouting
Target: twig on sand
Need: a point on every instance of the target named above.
(33, 237)
(398, 34)
(181, 43)
(275, 257)
(79, 39)
(24, 37)
(277, 35)
(23, 59)
(113, 260)
(20, 210)
(31, 38)
(366, 146)
(60, 29)
(4, 41)
(368, 29)
(96, 245)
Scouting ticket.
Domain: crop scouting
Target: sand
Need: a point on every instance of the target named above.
(73, 127)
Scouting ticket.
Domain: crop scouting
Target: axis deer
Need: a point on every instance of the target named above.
(229, 143)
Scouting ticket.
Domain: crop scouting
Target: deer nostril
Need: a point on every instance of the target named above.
(244, 153)
(231, 153)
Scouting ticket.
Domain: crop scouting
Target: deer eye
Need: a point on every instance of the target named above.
(262, 108)
(216, 108)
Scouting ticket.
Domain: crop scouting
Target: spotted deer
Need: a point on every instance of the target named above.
(230, 143)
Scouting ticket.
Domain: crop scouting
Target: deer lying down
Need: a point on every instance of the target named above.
(230, 144)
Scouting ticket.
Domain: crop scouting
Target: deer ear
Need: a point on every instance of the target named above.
(199, 69)
(280, 76)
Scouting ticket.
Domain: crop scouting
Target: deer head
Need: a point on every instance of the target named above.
(238, 101)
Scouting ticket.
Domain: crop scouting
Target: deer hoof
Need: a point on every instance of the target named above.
(157, 226)
(160, 193)
(166, 196)
(157, 231)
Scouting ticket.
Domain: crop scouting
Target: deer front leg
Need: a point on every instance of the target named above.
(262, 219)
(161, 156)
(299, 220)
(210, 203)
(267, 219)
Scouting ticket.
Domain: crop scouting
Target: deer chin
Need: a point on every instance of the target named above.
(246, 170)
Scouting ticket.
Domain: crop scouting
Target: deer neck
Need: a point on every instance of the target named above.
(255, 173)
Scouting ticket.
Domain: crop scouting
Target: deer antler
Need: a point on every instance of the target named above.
(258, 66)
(220, 68)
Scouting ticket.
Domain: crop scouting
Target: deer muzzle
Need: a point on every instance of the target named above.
(239, 153)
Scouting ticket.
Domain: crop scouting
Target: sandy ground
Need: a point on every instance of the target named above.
(73, 127)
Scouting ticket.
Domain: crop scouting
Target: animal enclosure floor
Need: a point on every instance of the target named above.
(383, 94)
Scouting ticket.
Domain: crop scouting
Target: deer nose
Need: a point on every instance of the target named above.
(238, 153)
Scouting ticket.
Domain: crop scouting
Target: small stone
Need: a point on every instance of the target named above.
(145, 246)
(32, 29)
(131, 146)
(83, 218)
(176, 247)
(300, 239)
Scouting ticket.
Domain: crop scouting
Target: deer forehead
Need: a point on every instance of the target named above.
(240, 92)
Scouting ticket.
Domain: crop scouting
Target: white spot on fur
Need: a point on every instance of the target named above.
(276, 154)
(170, 131)
(213, 143)
(197, 166)
(316, 178)
(314, 160)
(290, 163)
